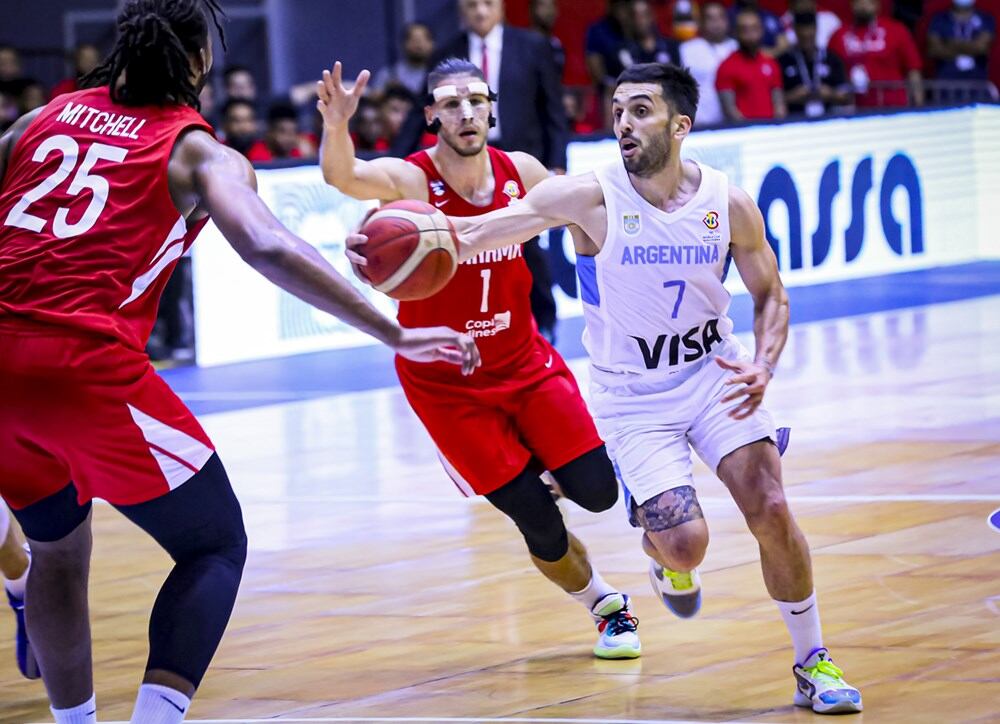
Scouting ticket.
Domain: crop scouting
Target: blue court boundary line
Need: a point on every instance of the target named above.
(307, 376)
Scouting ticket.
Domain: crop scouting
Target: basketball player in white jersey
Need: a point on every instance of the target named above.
(654, 236)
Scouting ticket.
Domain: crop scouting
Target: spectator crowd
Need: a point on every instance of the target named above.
(750, 63)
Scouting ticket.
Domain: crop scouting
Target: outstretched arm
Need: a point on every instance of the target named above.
(759, 271)
(386, 179)
(224, 184)
(555, 201)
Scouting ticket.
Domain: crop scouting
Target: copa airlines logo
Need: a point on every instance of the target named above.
(488, 327)
(899, 173)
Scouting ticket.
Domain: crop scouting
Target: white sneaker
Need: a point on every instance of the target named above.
(680, 592)
(616, 627)
(820, 686)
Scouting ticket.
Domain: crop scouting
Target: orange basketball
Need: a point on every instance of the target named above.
(412, 250)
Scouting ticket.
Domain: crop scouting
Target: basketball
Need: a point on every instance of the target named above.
(412, 250)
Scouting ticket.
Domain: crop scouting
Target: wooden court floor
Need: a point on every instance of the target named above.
(374, 593)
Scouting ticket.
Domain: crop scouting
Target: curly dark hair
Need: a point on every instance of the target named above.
(154, 43)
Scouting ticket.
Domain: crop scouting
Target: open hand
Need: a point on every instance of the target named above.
(754, 377)
(336, 103)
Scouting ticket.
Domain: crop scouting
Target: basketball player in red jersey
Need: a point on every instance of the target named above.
(102, 191)
(523, 411)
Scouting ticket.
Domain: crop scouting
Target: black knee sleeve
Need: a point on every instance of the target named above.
(589, 480)
(527, 502)
(200, 525)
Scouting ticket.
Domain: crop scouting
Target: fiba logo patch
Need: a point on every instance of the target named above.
(711, 220)
(994, 520)
(437, 187)
(630, 222)
(511, 189)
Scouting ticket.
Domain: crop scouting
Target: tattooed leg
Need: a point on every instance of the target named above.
(676, 533)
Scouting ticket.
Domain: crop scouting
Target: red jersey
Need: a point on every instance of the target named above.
(489, 297)
(882, 50)
(88, 231)
(752, 80)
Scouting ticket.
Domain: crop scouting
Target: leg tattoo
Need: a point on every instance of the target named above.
(669, 509)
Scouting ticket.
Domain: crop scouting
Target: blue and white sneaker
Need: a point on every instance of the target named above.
(820, 686)
(22, 648)
(616, 627)
(679, 592)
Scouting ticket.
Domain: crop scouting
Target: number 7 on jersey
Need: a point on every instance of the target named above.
(680, 284)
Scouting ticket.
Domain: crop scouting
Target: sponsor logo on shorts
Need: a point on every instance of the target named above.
(488, 327)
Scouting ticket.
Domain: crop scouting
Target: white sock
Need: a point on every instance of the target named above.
(86, 713)
(17, 585)
(802, 620)
(159, 705)
(597, 589)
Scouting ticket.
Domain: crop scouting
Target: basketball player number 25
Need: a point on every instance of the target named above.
(680, 284)
(84, 179)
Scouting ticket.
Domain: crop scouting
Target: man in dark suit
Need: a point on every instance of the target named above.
(518, 64)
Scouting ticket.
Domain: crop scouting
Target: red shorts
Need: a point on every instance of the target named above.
(90, 411)
(489, 426)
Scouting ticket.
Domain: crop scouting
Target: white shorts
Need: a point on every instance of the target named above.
(650, 428)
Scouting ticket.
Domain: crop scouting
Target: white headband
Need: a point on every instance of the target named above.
(475, 88)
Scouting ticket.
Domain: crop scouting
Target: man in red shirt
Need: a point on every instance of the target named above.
(879, 50)
(282, 138)
(748, 81)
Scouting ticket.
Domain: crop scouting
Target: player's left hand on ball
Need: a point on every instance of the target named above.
(754, 377)
(439, 344)
(354, 242)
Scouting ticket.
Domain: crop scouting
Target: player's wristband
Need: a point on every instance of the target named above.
(768, 366)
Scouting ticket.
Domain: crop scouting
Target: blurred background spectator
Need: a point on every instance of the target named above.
(827, 23)
(396, 104)
(703, 56)
(239, 83)
(544, 14)
(605, 48)
(645, 44)
(749, 81)
(240, 128)
(959, 41)
(12, 80)
(411, 69)
(367, 130)
(281, 140)
(881, 58)
(773, 40)
(86, 57)
(815, 80)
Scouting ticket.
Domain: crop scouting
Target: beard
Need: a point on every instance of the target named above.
(651, 159)
(463, 150)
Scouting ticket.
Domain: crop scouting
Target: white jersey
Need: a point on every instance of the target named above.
(654, 303)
